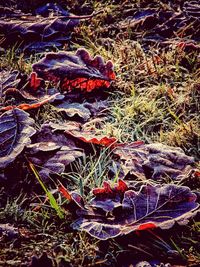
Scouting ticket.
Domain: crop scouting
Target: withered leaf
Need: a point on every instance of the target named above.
(52, 151)
(86, 134)
(147, 161)
(161, 26)
(15, 132)
(8, 80)
(35, 32)
(131, 210)
(74, 109)
(84, 110)
(23, 92)
(33, 104)
(75, 71)
(153, 160)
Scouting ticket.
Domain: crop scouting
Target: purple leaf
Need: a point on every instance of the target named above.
(83, 110)
(153, 160)
(75, 71)
(52, 151)
(151, 207)
(8, 80)
(35, 32)
(15, 132)
(74, 109)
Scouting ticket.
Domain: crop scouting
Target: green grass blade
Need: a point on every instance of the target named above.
(52, 199)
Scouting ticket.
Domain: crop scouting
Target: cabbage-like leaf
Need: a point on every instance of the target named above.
(52, 151)
(75, 71)
(15, 132)
(153, 160)
(114, 211)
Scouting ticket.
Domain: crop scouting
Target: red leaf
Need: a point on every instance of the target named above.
(35, 82)
(78, 71)
(122, 186)
(109, 215)
(26, 106)
(85, 134)
(146, 226)
(64, 192)
(104, 141)
(106, 189)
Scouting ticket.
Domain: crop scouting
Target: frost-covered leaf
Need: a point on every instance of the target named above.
(97, 108)
(24, 92)
(52, 151)
(8, 80)
(146, 161)
(85, 134)
(153, 160)
(15, 132)
(35, 32)
(83, 110)
(161, 26)
(75, 71)
(113, 211)
(33, 104)
(74, 109)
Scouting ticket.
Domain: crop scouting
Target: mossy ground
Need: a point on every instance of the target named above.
(151, 101)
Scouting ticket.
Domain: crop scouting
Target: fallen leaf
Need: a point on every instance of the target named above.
(75, 71)
(8, 80)
(34, 32)
(36, 104)
(84, 110)
(153, 160)
(119, 212)
(35, 82)
(85, 134)
(15, 132)
(160, 26)
(51, 150)
(33, 104)
(147, 161)
(74, 109)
